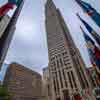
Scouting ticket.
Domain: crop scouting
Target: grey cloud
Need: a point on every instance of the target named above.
(29, 47)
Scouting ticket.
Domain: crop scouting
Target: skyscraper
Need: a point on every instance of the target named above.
(67, 70)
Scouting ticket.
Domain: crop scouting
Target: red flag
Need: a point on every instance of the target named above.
(77, 97)
(97, 52)
(5, 8)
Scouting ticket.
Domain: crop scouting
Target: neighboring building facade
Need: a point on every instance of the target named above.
(46, 84)
(68, 75)
(23, 83)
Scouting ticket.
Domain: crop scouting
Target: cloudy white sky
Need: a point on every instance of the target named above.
(29, 47)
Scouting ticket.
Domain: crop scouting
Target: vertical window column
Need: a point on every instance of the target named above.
(57, 74)
(70, 81)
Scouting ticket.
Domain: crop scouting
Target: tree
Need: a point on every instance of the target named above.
(4, 95)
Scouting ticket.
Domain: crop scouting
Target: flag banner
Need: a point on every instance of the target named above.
(90, 30)
(97, 77)
(95, 67)
(97, 92)
(88, 9)
(77, 97)
(17, 2)
(93, 51)
(5, 8)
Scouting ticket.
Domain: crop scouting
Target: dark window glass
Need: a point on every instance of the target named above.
(58, 66)
(55, 89)
(65, 78)
(66, 95)
(73, 79)
(70, 79)
(60, 79)
(61, 62)
(57, 82)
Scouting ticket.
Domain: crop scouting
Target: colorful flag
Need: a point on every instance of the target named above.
(77, 97)
(88, 9)
(92, 54)
(5, 8)
(97, 77)
(90, 30)
(93, 50)
(17, 2)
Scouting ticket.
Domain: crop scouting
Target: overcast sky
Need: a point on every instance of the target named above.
(29, 46)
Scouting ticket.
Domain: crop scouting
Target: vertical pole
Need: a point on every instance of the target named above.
(8, 33)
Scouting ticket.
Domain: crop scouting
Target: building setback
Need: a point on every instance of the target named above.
(67, 70)
(23, 83)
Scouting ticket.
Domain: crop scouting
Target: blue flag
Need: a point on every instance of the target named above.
(88, 9)
(95, 60)
(93, 50)
(90, 30)
(17, 2)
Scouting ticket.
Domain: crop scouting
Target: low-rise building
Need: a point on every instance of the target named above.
(23, 83)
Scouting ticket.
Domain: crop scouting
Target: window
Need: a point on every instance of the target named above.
(61, 62)
(73, 79)
(64, 53)
(52, 58)
(58, 66)
(54, 86)
(66, 95)
(60, 79)
(65, 78)
(69, 77)
(57, 83)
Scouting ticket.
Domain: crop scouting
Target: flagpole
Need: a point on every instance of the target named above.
(8, 32)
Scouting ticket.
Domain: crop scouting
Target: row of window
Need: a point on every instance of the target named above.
(55, 51)
(81, 74)
(61, 75)
(58, 63)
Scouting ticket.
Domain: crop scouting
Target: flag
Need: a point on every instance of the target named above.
(77, 97)
(97, 77)
(88, 9)
(93, 50)
(5, 8)
(92, 54)
(17, 2)
(90, 30)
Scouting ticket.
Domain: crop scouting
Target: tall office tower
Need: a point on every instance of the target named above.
(6, 38)
(23, 83)
(67, 70)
